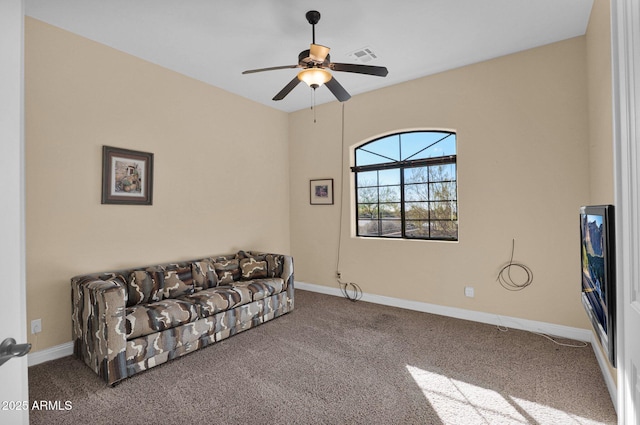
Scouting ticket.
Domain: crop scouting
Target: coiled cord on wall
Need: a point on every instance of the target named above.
(504, 275)
(344, 288)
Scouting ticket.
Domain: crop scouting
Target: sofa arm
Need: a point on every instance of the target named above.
(287, 271)
(98, 319)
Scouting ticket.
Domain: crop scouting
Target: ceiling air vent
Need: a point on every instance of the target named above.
(363, 55)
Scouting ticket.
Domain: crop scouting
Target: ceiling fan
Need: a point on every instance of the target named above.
(314, 63)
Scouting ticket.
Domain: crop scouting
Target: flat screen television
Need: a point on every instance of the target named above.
(597, 233)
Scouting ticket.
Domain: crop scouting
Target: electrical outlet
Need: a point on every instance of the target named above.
(36, 326)
(338, 275)
(469, 291)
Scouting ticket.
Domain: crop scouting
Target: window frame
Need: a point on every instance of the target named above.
(402, 166)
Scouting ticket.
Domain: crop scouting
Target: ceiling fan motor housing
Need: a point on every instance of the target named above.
(304, 59)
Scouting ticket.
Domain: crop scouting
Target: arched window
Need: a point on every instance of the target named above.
(406, 186)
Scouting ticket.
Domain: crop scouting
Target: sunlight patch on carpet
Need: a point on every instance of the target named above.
(544, 414)
(458, 402)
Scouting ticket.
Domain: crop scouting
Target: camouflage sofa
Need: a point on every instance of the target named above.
(127, 321)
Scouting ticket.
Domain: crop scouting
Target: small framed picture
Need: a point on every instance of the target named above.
(127, 176)
(321, 192)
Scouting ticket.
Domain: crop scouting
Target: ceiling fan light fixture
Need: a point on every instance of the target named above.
(314, 77)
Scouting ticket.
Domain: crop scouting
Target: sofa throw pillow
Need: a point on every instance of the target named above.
(204, 275)
(144, 286)
(228, 271)
(253, 269)
(178, 282)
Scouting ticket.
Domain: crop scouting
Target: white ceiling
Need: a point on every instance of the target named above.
(215, 40)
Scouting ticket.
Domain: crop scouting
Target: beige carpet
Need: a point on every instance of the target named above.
(332, 361)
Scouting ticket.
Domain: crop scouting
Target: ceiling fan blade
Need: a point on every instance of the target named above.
(379, 71)
(285, 91)
(338, 91)
(318, 52)
(273, 68)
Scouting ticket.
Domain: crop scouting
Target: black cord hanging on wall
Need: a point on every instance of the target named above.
(345, 287)
(504, 275)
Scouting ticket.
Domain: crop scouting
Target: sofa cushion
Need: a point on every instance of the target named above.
(261, 288)
(253, 269)
(228, 271)
(211, 301)
(177, 282)
(145, 319)
(144, 286)
(204, 275)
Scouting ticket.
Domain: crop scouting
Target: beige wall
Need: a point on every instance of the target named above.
(522, 131)
(598, 38)
(221, 169)
(526, 126)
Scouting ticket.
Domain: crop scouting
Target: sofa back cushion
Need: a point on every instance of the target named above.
(173, 280)
(204, 275)
(159, 282)
(228, 270)
(178, 282)
(144, 286)
(275, 264)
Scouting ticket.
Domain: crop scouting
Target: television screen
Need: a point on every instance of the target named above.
(598, 272)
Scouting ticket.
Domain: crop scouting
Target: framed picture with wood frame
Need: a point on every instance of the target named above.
(127, 176)
(321, 192)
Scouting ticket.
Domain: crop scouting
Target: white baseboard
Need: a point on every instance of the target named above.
(606, 372)
(53, 353)
(459, 313)
(562, 331)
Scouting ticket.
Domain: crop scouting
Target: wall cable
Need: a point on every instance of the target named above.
(504, 275)
(345, 287)
(579, 344)
(505, 279)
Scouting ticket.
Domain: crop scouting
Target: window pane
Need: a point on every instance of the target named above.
(442, 191)
(414, 144)
(444, 229)
(417, 228)
(441, 173)
(416, 175)
(364, 157)
(368, 228)
(391, 210)
(416, 192)
(391, 228)
(381, 151)
(367, 211)
(417, 211)
(389, 177)
(390, 194)
(367, 178)
(386, 147)
(444, 211)
(368, 195)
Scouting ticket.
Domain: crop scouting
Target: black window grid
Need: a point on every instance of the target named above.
(404, 232)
